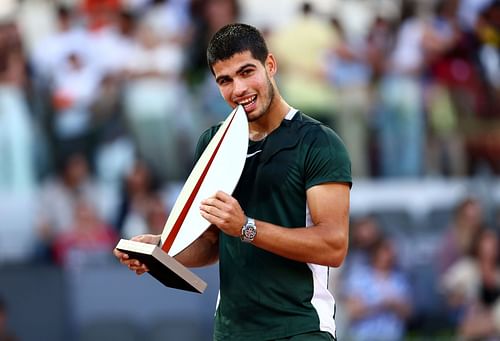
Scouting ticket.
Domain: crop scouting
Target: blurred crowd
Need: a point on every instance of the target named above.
(113, 94)
(455, 296)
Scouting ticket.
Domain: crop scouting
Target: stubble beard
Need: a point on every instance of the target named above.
(270, 96)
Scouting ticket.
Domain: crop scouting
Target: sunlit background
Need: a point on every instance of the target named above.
(101, 105)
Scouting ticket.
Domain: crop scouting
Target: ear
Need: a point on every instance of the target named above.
(271, 65)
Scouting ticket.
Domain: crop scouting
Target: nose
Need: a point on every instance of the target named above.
(240, 87)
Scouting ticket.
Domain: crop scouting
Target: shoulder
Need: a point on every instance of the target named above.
(206, 136)
(318, 135)
(311, 128)
(210, 132)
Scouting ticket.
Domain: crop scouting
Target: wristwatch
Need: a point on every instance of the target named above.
(248, 231)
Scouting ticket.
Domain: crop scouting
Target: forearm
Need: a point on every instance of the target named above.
(324, 242)
(319, 244)
(202, 252)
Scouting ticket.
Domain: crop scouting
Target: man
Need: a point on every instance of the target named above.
(287, 220)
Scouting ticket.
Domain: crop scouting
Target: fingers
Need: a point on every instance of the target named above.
(147, 238)
(216, 209)
(221, 205)
(213, 219)
(223, 196)
(133, 264)
(216, 203)
(137, 267)
(122, 257)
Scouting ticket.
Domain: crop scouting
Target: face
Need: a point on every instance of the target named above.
(488, 247)
(366, 233)
(243, 80)
(384, 257)
(473, 214)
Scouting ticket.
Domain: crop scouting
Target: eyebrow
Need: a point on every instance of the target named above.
(237, 71)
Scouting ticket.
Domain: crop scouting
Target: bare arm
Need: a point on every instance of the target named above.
(325, 242)
(203, 251)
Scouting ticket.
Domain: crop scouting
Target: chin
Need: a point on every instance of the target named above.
(253, 116)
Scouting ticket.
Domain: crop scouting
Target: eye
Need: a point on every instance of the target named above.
(223, 81)
(247, 72)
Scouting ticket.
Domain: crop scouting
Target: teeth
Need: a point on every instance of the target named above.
(247, 101)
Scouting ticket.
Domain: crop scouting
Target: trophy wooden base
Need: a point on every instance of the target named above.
(163, 267)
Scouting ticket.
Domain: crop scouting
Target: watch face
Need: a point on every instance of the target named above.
(249, 232)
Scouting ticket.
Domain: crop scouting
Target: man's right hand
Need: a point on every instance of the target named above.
(134, 264)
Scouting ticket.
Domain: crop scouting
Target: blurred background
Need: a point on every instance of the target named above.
(101, 105)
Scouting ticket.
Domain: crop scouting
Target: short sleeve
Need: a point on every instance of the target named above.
(326, 158)
(204, 140)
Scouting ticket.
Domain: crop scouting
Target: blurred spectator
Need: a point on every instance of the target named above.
(401, 129)
(59, 197)
(48, 53)
(107, 119)
(460, 99)
(484, 133)
(88, 239)
(74, 88)
(488, 31)
(117, 43)
(365, 233)
(469, 11)
(350, 74)
(17, 169)
(472, 287)
(109, 34)
(446, 139)
(153, 221)
(467, 221)
(5, 334)
(207, 17)
(116, 150)
(138, 188)
(378, 299)
(169, 19)
(380, 42)
(157, 215)
(153, 102)
(51, 51)
(302, 46)
(93, 60)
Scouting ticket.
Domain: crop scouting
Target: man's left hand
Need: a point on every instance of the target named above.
(225, 212)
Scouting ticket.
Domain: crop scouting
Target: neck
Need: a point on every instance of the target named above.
(261, 128)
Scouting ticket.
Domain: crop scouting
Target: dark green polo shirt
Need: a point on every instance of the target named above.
(264, 296)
